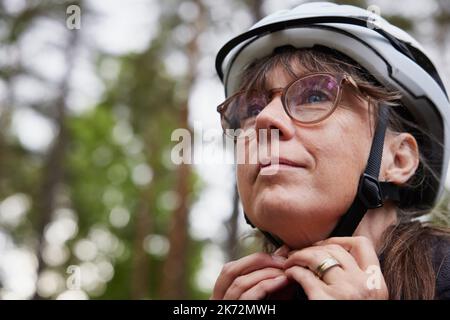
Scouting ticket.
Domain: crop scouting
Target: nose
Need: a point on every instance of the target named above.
(273, 116)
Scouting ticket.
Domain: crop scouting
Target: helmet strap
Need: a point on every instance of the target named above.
(371, 193)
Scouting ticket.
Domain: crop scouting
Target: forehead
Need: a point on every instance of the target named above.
(278, 78)
(277, 75)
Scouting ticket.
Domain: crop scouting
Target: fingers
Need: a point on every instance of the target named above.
(260, 275)
(346, 260)
(245, 282)
(264, 288)
(313, 286)
(313, 257)
(349, 281)
(243, 266)
(282, 251)
(361, 248)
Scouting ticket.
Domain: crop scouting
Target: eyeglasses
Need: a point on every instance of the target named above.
(307, 100)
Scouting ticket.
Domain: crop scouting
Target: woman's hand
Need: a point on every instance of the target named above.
(358, 276)
(252, 277)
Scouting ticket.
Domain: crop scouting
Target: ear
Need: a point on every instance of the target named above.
(400, 157)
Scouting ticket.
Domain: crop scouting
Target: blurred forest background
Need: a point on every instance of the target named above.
(91, 206)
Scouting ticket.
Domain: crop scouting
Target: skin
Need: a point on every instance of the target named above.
(301, 205)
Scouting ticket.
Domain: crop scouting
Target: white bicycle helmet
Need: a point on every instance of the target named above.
(388, 53)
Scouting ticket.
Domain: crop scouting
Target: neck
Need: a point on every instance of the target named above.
(375, 222)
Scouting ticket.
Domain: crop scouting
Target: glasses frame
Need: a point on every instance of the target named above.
(341, 79)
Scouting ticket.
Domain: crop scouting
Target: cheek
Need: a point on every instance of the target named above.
(240, 175)
(347, 142)
(341, 153)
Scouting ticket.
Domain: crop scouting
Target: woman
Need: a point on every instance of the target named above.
(362, 120)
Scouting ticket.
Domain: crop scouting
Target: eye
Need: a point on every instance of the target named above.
(254, 106)
(316, 97)
(249, 118)
(254, 110)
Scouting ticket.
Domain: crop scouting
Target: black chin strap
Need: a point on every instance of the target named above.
(371, 192)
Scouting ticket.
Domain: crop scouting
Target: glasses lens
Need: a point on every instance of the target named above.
(312, 98)
(240, 111)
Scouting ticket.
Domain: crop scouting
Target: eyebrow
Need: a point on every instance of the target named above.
(297, 72)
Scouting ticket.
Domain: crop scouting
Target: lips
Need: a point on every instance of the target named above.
(280, 161)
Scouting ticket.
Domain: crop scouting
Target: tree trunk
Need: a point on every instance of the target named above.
(53, 170)
(140, 286)
(232, 248)
(174, 281)
(175, 268)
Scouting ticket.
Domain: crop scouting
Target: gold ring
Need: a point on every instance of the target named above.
(325, 265)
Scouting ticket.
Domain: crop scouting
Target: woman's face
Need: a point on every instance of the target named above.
(301, 204)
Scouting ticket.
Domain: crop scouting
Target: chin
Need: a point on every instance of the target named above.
(277, 199)
(300, 235)
(298, 244)
(296, 222)
(273, 200)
